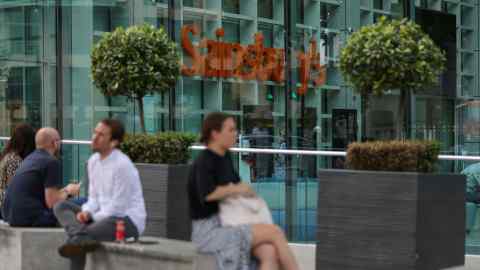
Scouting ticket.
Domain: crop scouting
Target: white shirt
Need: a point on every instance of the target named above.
(115, 190)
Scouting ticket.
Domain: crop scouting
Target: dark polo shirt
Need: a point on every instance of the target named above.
(25, 199)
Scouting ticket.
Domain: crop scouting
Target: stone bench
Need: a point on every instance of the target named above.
(150, 253)
(31, 248)
(36, 248)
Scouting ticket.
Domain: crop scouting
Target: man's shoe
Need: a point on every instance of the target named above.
(77, 245)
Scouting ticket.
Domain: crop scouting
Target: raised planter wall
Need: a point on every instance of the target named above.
(386, 220)
(166, 200)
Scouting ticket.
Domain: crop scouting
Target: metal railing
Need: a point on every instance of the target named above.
(283, 151)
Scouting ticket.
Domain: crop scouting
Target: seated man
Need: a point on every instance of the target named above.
(472, 174)
(115, 193)
(37, 185)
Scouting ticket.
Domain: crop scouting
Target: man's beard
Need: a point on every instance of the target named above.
(58, 153)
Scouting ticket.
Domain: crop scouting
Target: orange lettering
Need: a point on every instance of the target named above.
(316, 66)
(227, 66)
(239, 52)
(197, 59)
(279, 70)
(304, 76)
(310, 61)
(250, 62)
(212, 61)
(267, 64)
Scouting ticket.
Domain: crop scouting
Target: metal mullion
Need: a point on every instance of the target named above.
(59, 66)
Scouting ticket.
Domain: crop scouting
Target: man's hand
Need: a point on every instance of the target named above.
(73, 189)
(83, 217)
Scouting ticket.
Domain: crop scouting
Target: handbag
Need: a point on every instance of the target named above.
(240, 210)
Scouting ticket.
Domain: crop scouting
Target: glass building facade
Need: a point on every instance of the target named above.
(273, 64)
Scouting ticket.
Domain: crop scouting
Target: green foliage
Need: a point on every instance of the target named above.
(161, 148)
(391, 55)
(135, 62)
(402, 156)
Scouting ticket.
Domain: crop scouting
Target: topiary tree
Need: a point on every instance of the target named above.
(135, 62)
(391, 55)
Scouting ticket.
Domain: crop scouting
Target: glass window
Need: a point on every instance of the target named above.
(300, 11)
(231, 6)
(265, 9)
(268, 34)
(328, 16)
(232, 31)
(193, 3)
(378, 4)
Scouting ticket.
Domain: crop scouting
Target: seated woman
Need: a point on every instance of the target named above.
(213, 178)
(20, 145)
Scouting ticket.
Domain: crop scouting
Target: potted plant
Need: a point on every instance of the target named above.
(391, 55)
(161, 160)
(135, 62)
(390, 211)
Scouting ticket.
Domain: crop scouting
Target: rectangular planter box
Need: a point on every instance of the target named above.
(166, 200)
(390, 220)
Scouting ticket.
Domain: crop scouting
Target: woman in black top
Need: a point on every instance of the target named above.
(20, 145)
(213, 178)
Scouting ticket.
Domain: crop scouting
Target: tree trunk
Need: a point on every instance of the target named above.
(364, 107)
(400, 129)
(142, 114)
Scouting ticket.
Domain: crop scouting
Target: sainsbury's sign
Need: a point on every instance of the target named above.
(248, 62)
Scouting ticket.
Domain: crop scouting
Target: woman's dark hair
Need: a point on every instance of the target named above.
(116, 127)
(22, 141)
(213, 121)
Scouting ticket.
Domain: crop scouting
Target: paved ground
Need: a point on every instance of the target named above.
(472, 262)
(306, 257)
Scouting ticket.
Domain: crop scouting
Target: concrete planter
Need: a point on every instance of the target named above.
(390, 220)
(166, 200)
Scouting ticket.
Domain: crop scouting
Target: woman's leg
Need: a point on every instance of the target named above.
(267, 255)
(272, 234)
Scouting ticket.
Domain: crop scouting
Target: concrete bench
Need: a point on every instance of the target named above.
(150, 253)
(31, 248)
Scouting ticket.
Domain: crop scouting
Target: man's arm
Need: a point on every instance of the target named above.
(222, 192)
(53, 182)
(54, 195)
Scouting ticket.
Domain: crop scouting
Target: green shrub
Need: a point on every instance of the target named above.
(402, 156)
(161, 148)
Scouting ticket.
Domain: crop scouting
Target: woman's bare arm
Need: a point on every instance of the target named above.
(222, 192)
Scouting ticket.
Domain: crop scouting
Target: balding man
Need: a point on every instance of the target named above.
(37, 185)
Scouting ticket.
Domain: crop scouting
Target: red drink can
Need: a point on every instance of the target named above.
(120, 231)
